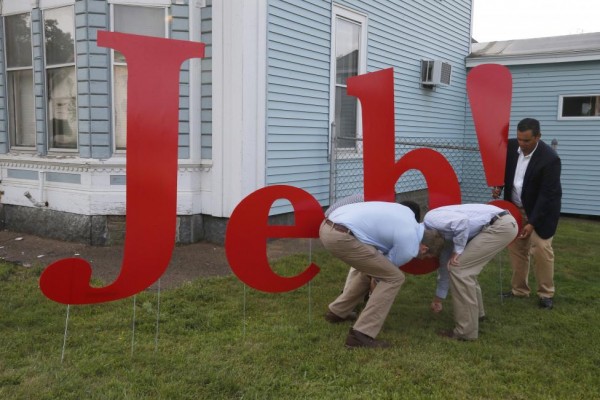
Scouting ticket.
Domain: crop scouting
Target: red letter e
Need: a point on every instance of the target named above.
(248, 230)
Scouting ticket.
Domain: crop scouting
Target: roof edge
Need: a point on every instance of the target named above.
(548, 58)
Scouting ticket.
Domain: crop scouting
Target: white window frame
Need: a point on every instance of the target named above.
(133, 3)
(44, 4)
(23, 6)
(582, 118)
(8, 69)
(61, 4)
(339, 11)
(141, 3)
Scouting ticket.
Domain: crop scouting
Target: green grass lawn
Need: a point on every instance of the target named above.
(220, 340)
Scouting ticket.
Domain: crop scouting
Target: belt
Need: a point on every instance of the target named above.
(497, 216)
(338, 227)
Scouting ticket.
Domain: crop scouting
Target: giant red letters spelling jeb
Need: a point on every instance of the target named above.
(153, 66)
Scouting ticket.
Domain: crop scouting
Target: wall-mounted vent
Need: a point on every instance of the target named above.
(435, 72)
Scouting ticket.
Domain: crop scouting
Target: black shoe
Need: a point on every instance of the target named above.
(483, 318)
(546, 302)
(356, 339)
(336, 319)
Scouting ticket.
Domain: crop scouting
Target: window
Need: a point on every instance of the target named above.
(576, 107)
(19, 76)
(148, 21)
(61, 80)
(348, 59)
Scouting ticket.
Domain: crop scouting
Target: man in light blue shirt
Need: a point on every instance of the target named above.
(457, 224)
(360, 198)
(474, 234)
(375, 238)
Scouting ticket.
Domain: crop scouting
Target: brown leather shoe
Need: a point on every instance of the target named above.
(449, 334)
(357, 339)
(336, 319)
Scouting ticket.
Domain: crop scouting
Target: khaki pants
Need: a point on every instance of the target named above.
(466, 294)
(351, 275)
(367, 261)
(520, 252)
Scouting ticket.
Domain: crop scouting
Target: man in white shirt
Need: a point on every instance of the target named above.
(475, 233)
(532, 183)
(375, 238)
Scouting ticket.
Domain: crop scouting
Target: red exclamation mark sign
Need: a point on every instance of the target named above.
(489, 87)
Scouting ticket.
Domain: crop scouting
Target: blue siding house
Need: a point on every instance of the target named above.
(557, 81)
(260, 109)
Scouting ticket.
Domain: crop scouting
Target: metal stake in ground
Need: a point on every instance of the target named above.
(62, 356)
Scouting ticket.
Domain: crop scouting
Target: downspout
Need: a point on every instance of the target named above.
(332, 164)
(33, 201)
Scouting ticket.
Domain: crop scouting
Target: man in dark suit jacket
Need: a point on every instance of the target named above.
(532, 183)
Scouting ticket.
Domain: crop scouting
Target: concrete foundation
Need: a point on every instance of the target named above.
(105, 230)
(101, 230)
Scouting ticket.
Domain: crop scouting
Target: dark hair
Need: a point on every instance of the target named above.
(434, 241)
(414, 207)
(529, 123)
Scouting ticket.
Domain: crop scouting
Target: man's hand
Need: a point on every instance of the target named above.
(496, 192)
(526, 231)
(436, 305)
(454, 260)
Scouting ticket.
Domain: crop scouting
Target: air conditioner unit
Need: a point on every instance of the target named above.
(435, 72)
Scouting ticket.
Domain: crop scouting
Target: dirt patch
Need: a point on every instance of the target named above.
(188, 262)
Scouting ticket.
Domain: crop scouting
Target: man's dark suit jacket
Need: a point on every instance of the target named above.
(542, 192)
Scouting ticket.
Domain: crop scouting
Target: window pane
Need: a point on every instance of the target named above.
(139, 20)
(62, 110)
(345, 118)
(147, 21)
(18, 40)
(21, 108)
(347, 45)
(120, 107)
(585, 106)
(347, 41)
(59, 30)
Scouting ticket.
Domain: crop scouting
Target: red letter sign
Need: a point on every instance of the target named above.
(248, 230)
(152, 116)
(376, 94)
(489, 87)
